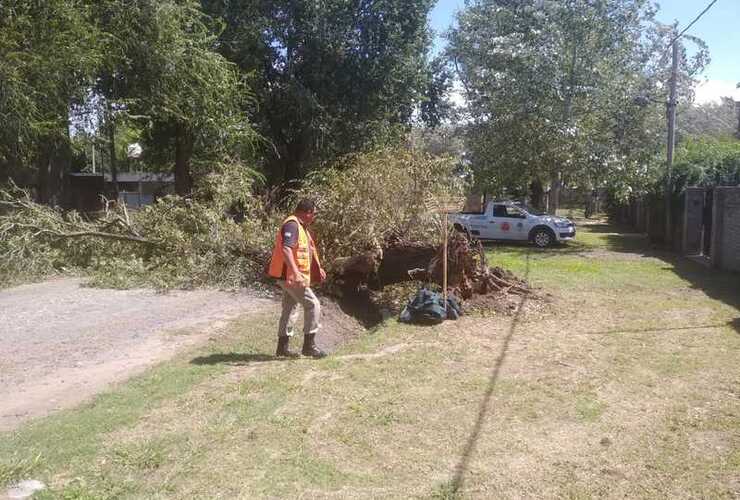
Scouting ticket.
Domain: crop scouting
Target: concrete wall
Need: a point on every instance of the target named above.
(692, 226)
(726, 228)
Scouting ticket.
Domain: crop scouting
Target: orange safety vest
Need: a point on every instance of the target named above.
(302, 253)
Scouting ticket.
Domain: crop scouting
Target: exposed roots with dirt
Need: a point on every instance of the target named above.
(384, 280)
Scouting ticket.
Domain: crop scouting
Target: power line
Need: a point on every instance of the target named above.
(693, 22)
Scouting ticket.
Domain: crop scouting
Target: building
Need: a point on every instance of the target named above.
(84, 191)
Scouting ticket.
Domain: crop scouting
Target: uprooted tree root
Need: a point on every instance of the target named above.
(382, 279)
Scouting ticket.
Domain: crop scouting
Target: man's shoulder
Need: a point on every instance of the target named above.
(291, 224)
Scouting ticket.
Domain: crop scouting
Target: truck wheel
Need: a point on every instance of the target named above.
(543, 238)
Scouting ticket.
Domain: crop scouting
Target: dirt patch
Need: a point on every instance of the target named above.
(337, 325)
(62, 342)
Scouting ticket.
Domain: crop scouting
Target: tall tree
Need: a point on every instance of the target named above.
(552, 85)
(49, 52)
(164, 71)
(708, 119)
(331, 76)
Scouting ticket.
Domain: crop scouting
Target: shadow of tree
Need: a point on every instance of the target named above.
(642, 331)
(234, 358)
(524, 248)
(720, 285)
(735, 323)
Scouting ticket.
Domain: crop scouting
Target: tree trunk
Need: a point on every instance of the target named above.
(183, 155)
(554, 198)
(60, 161)
(43, 194)
(51, 161)
(537, 194)
(557, 177)
(111, 129)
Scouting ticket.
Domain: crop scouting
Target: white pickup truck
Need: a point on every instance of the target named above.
(506, 220)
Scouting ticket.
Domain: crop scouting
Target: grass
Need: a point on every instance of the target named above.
(623, 384)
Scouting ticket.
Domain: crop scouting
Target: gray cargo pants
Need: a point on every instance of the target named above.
(311, 310)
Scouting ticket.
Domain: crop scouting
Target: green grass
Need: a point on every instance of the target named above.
(623, 384)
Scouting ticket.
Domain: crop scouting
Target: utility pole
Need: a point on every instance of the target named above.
(671, 143)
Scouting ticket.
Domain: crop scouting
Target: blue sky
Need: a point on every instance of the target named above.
(719, 28)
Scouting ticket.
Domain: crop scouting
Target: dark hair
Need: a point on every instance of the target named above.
(306, 205)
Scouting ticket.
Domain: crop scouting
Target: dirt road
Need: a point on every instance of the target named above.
(60, 343)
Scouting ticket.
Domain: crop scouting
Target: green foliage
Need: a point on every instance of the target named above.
(175, 243)
(25, 254)
(331, 77)
(365, 199)
(707, 162)
(48, 55)
(709, 119)
(552, 88)
(165, 73)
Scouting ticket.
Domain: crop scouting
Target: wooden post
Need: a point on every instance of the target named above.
(444, 263)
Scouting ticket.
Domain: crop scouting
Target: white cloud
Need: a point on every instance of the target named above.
(714, 90)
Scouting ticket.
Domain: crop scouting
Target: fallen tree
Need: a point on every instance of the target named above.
(379, 227)
(468, 273)
(174, 243)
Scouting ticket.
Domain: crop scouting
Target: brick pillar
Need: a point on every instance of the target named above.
(726, 228)
(692, 220)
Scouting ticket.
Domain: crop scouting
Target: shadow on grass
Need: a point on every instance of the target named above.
(234, 358)
(608, 238)
(720, 285)
(524, 248)
(453, 488)
(735, 323)
(658, 330)
(607, 227)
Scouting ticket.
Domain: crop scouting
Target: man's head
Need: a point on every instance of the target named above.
(306, 211)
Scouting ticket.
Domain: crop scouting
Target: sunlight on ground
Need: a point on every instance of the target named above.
(620, 382)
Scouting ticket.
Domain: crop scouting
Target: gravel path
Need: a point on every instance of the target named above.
(60, 343)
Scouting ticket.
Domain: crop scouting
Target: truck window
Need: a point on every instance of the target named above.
(515, 212)
(508, 211)
(499, 211)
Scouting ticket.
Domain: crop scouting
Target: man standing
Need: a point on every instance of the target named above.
(295, 264)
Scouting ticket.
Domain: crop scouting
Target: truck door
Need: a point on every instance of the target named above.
(508, 223)
(519, 223)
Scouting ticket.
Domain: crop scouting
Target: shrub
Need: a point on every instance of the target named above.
(366, 199)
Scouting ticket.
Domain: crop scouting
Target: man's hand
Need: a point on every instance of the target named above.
(322, 274)
(295, 280)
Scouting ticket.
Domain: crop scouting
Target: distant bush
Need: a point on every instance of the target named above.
(707, 162)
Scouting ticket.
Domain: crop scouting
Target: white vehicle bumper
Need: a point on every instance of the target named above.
(565, 233)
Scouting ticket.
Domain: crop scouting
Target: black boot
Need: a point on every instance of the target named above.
(282, 348)
(310, 348)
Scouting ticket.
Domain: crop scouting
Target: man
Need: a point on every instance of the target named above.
(295, 263)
